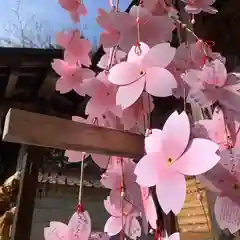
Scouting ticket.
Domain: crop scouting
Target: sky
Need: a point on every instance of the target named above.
(51, 17)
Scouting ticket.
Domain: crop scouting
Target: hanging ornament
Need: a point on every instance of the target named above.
(79, 225)
(139, 61)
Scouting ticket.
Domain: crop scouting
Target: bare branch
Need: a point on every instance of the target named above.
(26, 32)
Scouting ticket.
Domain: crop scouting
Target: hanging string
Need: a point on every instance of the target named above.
(111, 4)
(149, 112)
(230, 146)
(122, 195)
(80, 207)
(229, 142)
(115, 6)
(204, 46)
(144, 117)
(138, 49)
(109, 162)
(111, 58)
(193, 19)
(184, 98)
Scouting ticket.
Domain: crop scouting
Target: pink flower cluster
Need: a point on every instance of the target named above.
(139, 62)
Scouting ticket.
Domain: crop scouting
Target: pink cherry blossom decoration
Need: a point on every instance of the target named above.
(103, 97)
(149, 208)
(224, 177)
(219, 130)
(79, 226)
(227, 214)
(113, 24)
(143, 71)
(158, 27)
(77, 49)
(167, 166)
(75, 8)
(139, 65)
(72, 76)
(118, 221)
(196, 6)
(113, 56)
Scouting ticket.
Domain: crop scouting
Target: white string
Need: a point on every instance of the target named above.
(81, 179)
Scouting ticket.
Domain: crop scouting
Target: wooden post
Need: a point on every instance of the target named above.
(25, 203)
(11, 85)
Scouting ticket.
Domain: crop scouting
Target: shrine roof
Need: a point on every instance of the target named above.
(27, 81)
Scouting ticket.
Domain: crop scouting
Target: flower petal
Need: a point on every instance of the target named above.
(109, 39)
(150, 211)
(101, 160)
(137, 58)
(73, 156)
(210, 10)
(174, 236)
(113, 226)
(124, 73)
(149, 165)
(63, 85)
(171, 192)
(96, 106)
(160, 55)
(153, 141)
(192, 10)
(199, 158)
(111, 209)
(110, 180)
(104, 61)
(82, 222)
(128, 95)
(56, 230)
(123, 20)
(64, 38)
(105, 20)
(69, 5)
(160, 82)
(227, 214)
(82, 10)
(61, 67)
(116, 201)
(175, 135)
(132, 227)
(141, 12)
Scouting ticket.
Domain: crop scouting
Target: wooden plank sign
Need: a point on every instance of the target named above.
(47, 131)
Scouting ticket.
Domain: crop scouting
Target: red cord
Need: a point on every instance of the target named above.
(80, 208)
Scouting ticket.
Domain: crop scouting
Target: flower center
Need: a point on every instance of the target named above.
(170, 161)
(236, 186)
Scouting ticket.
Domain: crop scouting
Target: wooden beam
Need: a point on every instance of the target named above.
(30, 57)
(48, 86)
(11, 85)
(27, 191)
(46, 131)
